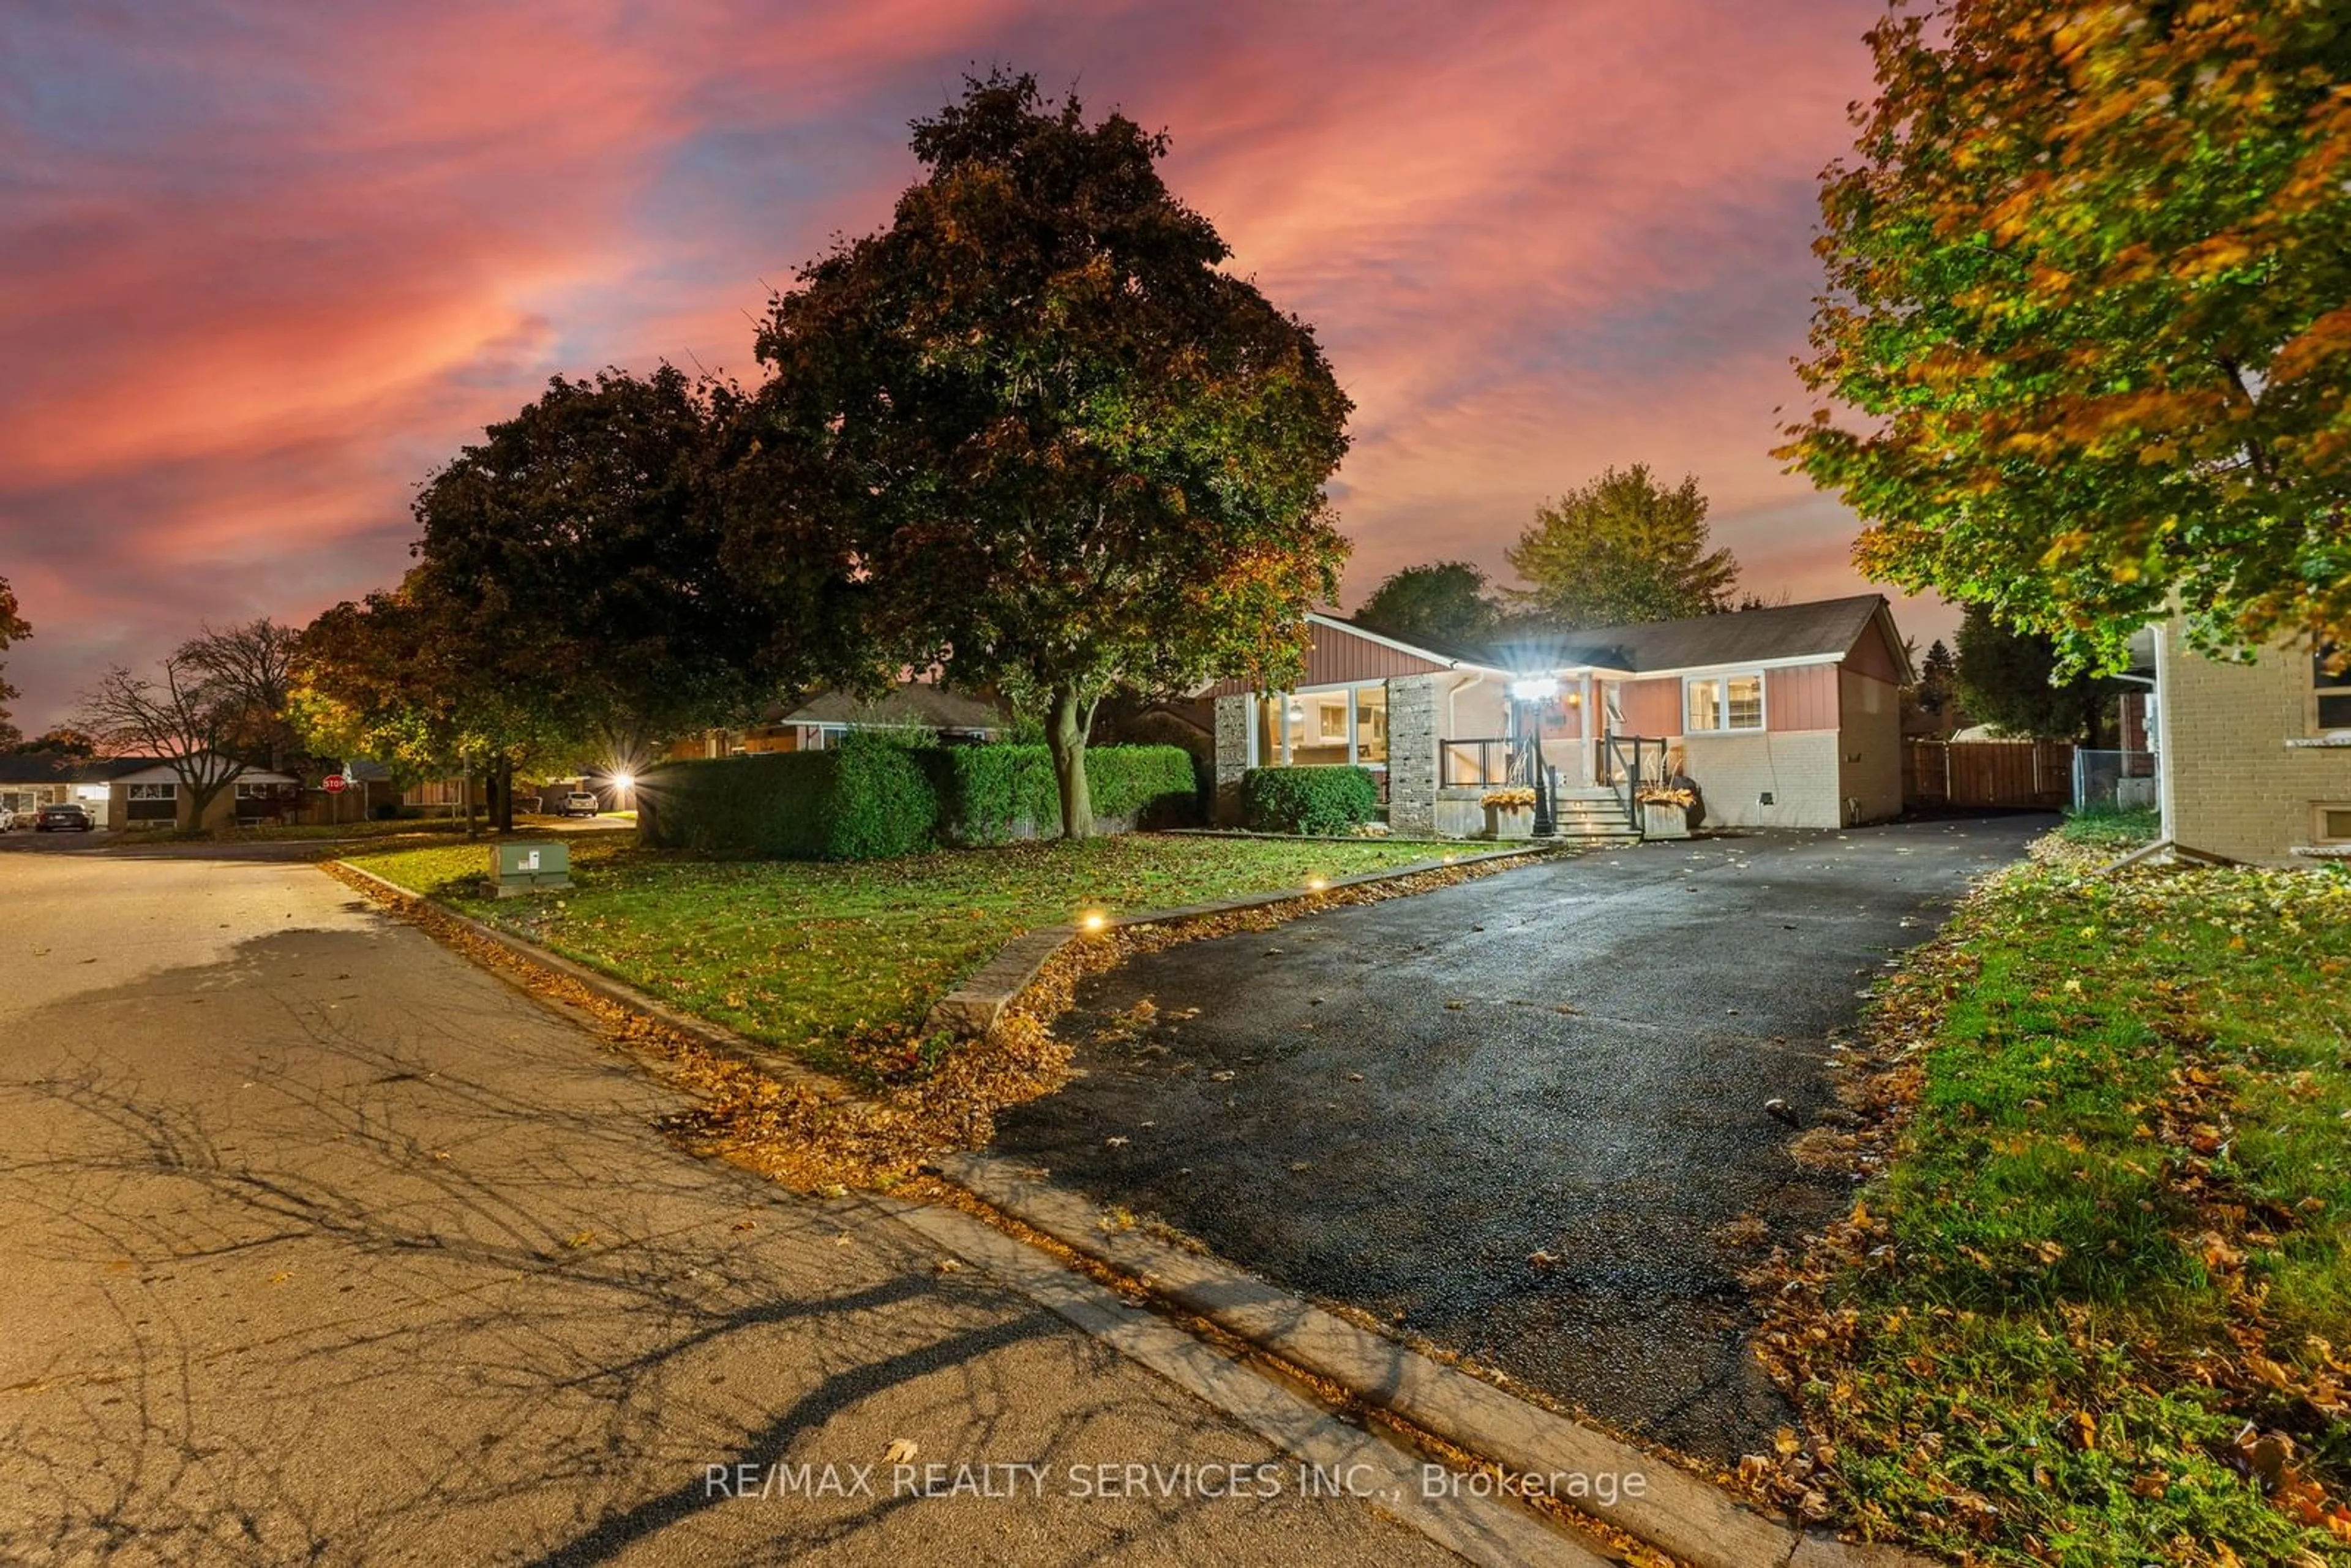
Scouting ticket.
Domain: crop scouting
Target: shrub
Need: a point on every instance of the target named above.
(1308, 799)
(867, 798)
(990, 793)
(883, 793)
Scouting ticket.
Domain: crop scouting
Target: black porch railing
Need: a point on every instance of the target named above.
(1467, 764)
(1628, 763)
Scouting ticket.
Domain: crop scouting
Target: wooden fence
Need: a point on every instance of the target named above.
(1961, 773)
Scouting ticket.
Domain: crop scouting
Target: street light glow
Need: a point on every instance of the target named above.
(1535, 688)
(1094, 920)
(624, 780)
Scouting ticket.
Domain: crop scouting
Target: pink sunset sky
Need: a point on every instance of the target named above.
(263, 266)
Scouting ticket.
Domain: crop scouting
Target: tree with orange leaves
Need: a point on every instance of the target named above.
(2089, 295)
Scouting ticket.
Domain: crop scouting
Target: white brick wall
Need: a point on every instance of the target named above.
(1801, 770)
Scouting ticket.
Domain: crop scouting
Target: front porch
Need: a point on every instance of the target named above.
(1437, 744)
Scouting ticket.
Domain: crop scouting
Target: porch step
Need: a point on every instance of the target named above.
(1591, 816)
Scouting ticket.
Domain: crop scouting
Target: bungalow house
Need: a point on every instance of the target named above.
(152, 796)
(2252, 759)
(820, 722)
(1786, 716)
(142, 791)
(33, 780)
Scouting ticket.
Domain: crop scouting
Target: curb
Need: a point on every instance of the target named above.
(710, 1037)
(1677, 1513)
(1487, 1531)
(973, 1007)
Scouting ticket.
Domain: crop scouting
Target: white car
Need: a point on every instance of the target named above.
(581, 804)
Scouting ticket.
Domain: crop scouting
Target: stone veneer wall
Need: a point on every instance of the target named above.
(1232, 760)
(1412, 754)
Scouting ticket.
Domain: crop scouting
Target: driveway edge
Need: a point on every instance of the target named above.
(1677, 1513)
(973, 1007)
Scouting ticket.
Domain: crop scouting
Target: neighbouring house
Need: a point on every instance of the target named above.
(151, 796)
(31, 780)
(2254, 758)
(954, 718)
(1788, 716)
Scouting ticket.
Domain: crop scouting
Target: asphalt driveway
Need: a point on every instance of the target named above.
(1524, 1116)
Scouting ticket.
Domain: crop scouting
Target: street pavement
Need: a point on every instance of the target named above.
(320, 1244)
(1524, 1117)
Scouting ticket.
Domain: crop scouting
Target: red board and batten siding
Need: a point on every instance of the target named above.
(1339, 657)
(1652, 708)
(1801, 697)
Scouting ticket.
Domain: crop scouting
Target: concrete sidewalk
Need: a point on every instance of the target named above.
(323, 1246)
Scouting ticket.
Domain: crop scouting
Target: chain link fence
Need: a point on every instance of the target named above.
(2117, 780)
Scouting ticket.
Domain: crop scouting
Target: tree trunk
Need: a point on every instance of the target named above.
(200, 793)
(1067, 739)
(466, 799)
(502, 794)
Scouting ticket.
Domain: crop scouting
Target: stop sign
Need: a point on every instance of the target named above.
(335, 782)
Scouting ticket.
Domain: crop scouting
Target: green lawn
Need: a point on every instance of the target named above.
(2116, 828)
(2117, 1229)
(840, 962)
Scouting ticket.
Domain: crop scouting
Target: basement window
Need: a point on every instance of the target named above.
(2333, 823)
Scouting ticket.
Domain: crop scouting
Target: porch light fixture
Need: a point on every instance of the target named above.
(1535, 688)
(1297, 711)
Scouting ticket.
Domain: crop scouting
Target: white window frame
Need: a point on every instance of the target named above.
(247, 790)
(1721, 684)
(150, 791)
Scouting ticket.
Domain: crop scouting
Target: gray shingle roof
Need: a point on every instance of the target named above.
(45, 767)
(1825, 628)
(916, 703)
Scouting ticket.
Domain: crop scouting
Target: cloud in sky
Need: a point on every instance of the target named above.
(262, 266)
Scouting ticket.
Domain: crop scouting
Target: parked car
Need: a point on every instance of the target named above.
(581, 803)
(64, 817)
(9, 817)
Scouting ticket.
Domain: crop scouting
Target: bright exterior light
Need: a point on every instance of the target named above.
(1535, 689)
(1093, 919)
(1315, 884)
(624, 780)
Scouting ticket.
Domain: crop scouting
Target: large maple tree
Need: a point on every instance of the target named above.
(2087, 331)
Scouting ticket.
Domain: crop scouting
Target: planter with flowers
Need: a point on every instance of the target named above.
(1665, 813)
(1510, 813)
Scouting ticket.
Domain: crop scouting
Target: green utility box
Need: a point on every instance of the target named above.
(518, 869)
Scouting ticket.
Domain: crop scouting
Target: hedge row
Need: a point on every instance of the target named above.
(1327, 799)
(874, 796)
(991, 793)
(862, 801)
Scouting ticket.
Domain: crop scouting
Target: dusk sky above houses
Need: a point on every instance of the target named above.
(262, 267)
